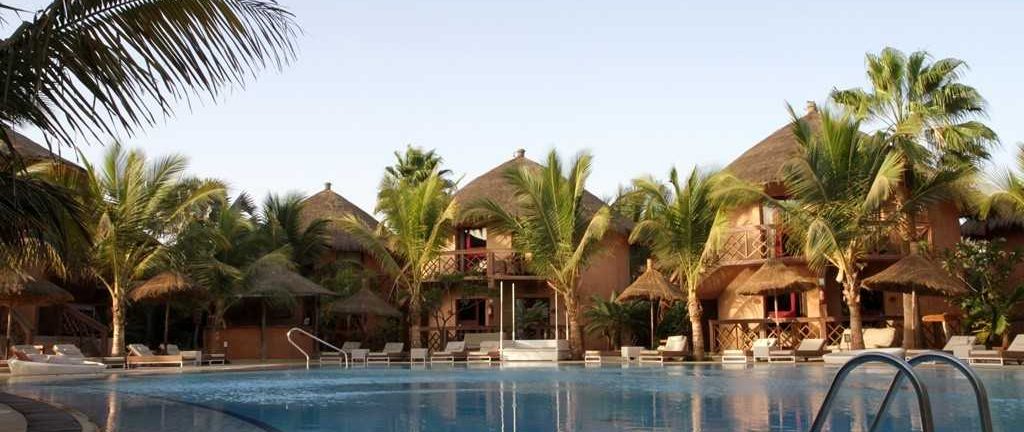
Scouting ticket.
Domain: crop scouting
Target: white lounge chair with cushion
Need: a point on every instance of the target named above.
(419, 355)
(761, 349)
(960, 346)
(332, 356)
(392, 351)
(675, 347)
(488, 352)
(452, 351)
(141, 355)
(1013, 353)
(808, 349)
(72, 351)
(195, 357)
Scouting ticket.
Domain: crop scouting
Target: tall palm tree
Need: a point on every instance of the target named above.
(837, 185)
(932, 120)
(414, 166)
(552, 227)
(416, 228)
(98, 67)
(133, 205)
(682, 224)
(280, 225)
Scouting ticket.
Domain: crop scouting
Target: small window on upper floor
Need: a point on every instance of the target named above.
(472, 238)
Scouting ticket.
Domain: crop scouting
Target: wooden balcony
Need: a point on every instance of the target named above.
(752, 245)
(480, 264)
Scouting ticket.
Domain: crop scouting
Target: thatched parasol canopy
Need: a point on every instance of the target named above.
(774, 278)
(364, 302)
(163, 286)
(328, 205)
(651, 285)
(270, 280)
(495, 186)
(33, 292)
(762, 163)
(916, 274)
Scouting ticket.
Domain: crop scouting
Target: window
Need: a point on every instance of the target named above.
(471, 312)
(472, 238)
(788, 306)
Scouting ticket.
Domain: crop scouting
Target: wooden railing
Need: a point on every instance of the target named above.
(755, 243)
(91, 336)
(478, 263)
(788, 332)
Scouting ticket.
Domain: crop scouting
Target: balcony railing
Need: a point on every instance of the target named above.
(741, 333)
(756, 243)
(478, 263)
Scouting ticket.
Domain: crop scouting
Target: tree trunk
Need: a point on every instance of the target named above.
(696, 329)
(911, 322)
(572, 316)
(415, 315)
(117, 312)
(853, 302)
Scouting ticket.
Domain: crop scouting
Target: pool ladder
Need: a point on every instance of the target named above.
(344, 355)
(906, 368)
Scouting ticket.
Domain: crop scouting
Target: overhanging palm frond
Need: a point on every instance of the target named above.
(97, 67)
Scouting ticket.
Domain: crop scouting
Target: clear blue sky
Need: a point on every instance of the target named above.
(644, 85)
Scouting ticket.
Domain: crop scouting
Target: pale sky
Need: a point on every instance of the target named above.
(644, 85)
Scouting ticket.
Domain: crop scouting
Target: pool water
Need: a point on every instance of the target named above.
(539, 398)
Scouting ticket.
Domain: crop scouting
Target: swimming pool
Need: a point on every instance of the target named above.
(459, 398)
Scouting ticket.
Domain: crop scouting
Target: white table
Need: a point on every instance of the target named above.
(631, 352)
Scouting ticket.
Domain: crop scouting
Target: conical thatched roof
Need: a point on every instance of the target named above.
(32, 292)
(163, 285)
(327, 204)
(493, 185)
(774, 278)
(650, 285)
(30, 150)
(365, 302)
(269, 281)
(915, 273)
(762, 163)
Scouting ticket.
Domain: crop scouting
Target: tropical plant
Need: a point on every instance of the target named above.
(837, 185)
(416, 228)
(133, 205)
(415, 166)
(531, 321)
(97, 67)
(552, 227)
(986, 267)
(683, 224)
(280, 225)
(42, 226)
(1004, 204)
(931, 120)
(614, 320)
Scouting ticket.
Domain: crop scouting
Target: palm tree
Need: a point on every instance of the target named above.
(614, 319)
(42, 226)
(682, 224)
(414, 167)
(552, 227)
(931, 120)
(280, 225)
(133, 205)
(98, 67)
(1005, 203)
(837, 186)
(416, 227)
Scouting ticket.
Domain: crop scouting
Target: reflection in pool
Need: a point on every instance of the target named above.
(610, 398)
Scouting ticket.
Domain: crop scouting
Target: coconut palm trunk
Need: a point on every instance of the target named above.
(696, 329)
(572, 316)
(117, 321)
(415, 318)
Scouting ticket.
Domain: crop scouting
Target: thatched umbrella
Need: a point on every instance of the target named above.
(276, 281)
(916, 275)
(16, 290)
(775, 278)
(163, 287)
(651, 286)
(365, 302)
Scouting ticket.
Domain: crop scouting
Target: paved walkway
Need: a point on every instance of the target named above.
(35, 416)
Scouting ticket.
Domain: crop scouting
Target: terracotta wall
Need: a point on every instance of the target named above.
(244, 343)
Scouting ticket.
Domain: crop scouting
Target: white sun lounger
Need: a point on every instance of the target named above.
(1013, 353)
(761, 349)
(487, 353)
(391, 351)
(452, 351)
(675, 347)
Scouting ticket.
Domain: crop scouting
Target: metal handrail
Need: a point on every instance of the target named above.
(979, 389)
(924, 405)
(344, 354)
